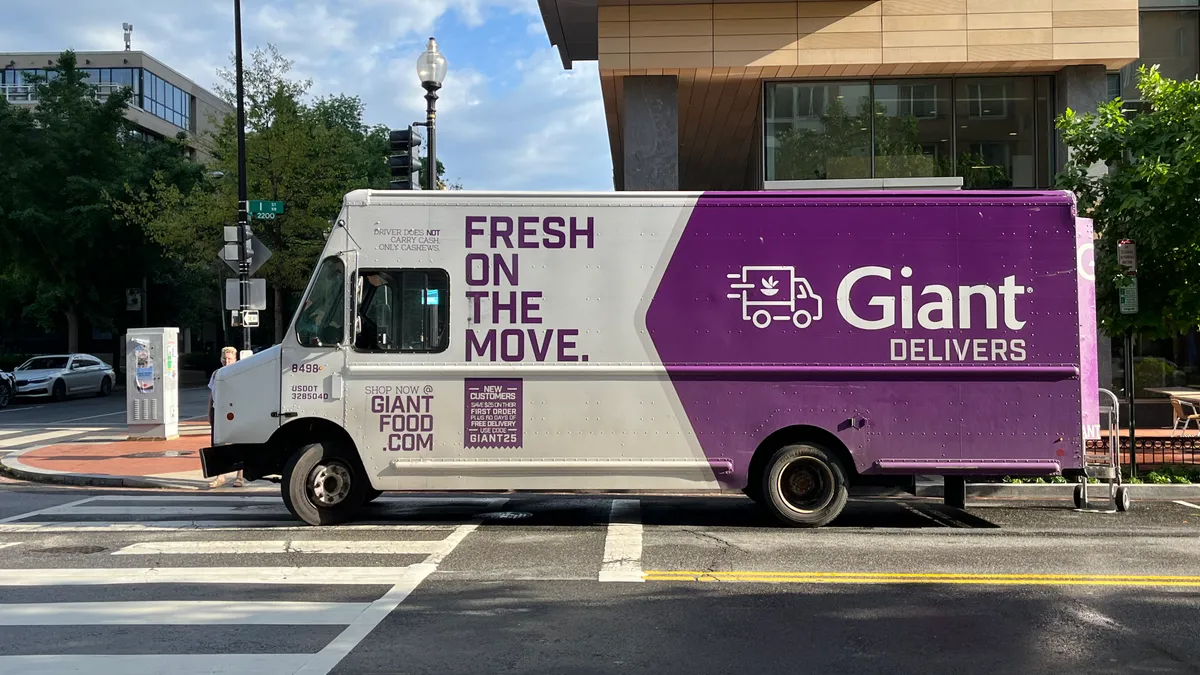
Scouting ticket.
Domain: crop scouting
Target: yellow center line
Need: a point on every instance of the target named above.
(924, 578)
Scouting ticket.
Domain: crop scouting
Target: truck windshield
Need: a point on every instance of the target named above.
(322, 315)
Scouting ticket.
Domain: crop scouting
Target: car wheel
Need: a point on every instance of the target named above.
(6, 394)
(105, 386)
(60, 391)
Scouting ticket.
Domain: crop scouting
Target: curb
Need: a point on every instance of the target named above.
(13, 467)
(1066, 490)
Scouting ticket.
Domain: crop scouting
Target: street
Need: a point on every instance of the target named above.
(160, 581)
(31, 422)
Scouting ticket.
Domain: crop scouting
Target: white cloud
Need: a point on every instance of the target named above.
(509, 116)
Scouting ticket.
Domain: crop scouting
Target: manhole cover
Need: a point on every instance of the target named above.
(70, 549)
(507, 515)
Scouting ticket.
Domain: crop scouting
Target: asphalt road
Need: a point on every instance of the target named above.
(117, 581)
(32, 422)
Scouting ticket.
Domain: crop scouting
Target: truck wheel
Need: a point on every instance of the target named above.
(804, 485)
(322, 486)
(372, 495)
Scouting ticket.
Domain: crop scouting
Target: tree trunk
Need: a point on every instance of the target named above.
(72, 329)
(278, 315)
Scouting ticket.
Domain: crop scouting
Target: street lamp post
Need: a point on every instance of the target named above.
(243, 218)
(431, 68)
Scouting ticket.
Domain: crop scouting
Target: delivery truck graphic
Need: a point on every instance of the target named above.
(774, 293)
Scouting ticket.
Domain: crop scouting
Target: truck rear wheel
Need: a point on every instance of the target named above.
(804, 485)
(322, 486)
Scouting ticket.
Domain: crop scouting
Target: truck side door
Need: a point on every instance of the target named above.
(314, 355)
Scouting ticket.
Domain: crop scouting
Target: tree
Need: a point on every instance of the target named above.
(1150, 193)
(64, 250)
(307, 155)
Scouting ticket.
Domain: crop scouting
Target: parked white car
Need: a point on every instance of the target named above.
(64, 375)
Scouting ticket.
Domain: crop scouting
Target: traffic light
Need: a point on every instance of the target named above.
(403, 159)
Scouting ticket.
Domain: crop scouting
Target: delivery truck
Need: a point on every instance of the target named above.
(786, 345)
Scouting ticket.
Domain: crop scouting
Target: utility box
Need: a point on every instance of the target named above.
(152, 383)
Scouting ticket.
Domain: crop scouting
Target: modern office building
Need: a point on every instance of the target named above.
(734, 94)
(164, 101)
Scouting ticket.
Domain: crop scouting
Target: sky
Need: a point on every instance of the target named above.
(510, 117)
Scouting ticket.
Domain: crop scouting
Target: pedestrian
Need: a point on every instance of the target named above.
(228, 356)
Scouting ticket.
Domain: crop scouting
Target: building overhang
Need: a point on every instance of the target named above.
(572, 26)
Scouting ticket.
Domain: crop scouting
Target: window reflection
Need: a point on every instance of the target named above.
(819, 130)
(1172, 41)
(994, 132)
(913, 128)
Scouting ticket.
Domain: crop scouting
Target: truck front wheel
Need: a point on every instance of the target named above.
(322, 486)
(804, 485)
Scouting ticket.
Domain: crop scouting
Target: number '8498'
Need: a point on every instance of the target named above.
(305, 368)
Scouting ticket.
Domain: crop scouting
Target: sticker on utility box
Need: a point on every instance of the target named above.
(493, 413)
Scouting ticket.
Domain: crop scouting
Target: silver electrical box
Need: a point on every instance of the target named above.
(152, 383)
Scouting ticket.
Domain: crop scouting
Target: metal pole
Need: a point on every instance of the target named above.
(430, 115)
(243, 217)
(1130, 381)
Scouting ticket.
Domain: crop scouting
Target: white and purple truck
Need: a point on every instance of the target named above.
(786, 345)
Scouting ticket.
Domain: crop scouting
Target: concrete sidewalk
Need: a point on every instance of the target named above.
(171, 464)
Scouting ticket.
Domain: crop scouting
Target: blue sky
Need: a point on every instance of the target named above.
(509, 116)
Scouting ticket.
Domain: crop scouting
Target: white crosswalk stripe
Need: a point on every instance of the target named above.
(25, 438)
(154, 593)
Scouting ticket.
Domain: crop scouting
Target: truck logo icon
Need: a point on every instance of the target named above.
(759, 289)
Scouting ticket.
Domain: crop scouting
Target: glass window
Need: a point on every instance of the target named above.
(997, 139)
(828, 134)
(45, 363)
(913, 129)
(403, 311)
(1172, 41)
(322, 316)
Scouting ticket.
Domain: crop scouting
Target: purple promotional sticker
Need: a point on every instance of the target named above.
(493, 413)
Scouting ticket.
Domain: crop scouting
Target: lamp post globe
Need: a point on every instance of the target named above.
(431, 69)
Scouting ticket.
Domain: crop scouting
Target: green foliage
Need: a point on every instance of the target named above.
(307, 155)
(63, 251)
(1148, 194)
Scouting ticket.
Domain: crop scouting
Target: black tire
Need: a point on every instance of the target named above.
(804, 485)
(6, 394)
(1121, 498)
(59, 391)
(1078, 497)
(372, 495)
(301, 474)
(105, 386)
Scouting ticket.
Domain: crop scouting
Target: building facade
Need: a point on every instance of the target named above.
(745, 95)
(164, 102)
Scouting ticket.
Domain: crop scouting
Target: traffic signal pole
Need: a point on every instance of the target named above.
(243, 219)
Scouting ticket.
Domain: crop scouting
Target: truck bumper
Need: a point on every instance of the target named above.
(223, 459)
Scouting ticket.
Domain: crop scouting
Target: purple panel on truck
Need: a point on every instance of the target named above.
(930, 333)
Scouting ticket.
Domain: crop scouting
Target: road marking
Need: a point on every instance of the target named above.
(11, 544)
(176, 664)
(32, 407)
(924, 578)
(333, 653)
(89, 417)
(30, 514)
(209, 525)
(10, 432)
(150, 511)
(175, 613)
(47, 436)
(330, 546)
(345, 576)
(623, 543)
(1183, 503)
